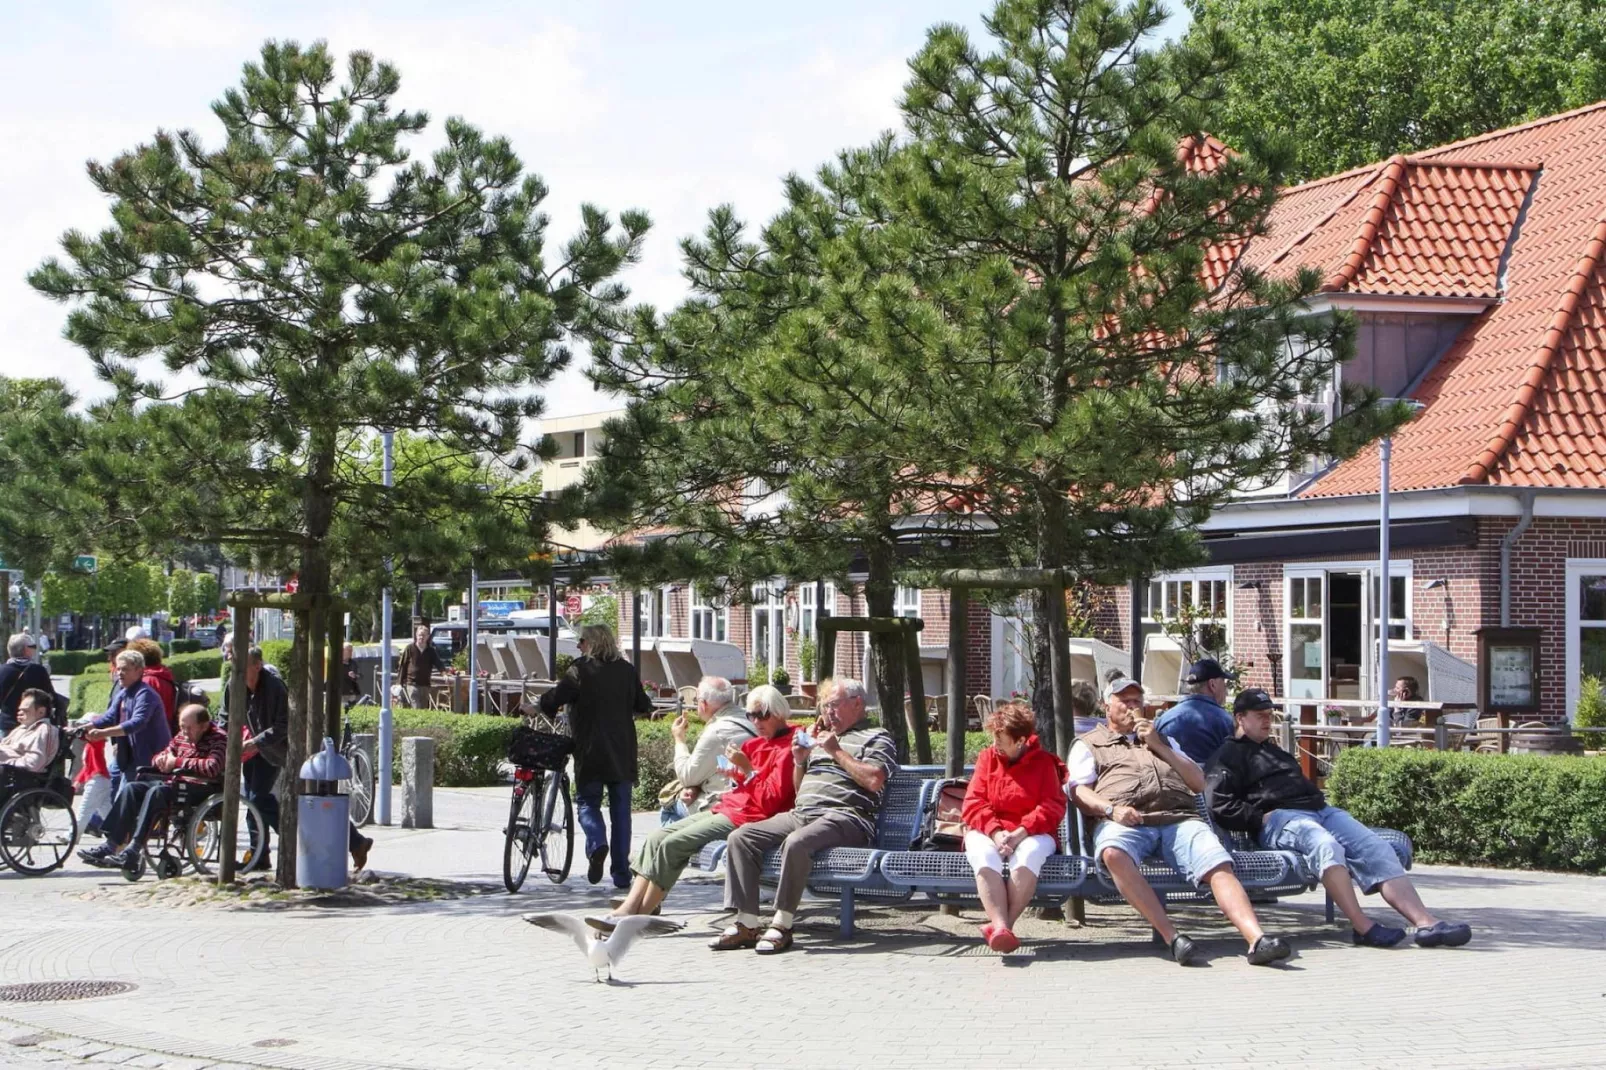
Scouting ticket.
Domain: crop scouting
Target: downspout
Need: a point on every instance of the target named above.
(1526, 497)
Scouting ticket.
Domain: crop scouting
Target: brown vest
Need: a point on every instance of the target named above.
(1130, 774)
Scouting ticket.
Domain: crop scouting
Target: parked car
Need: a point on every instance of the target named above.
(207, 636)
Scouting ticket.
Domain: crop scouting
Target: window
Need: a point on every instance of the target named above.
(1586, 625)
(806, 615)
(1399, 615)
(1306, 657)
(579, 443)
(708, 621)
(1197, 596)
(906, 602)
(769, 623)
(655, 617)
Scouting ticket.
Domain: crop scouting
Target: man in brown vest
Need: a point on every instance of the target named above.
(1141, 787)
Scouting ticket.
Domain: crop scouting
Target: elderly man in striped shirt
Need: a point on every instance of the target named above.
(841, 772)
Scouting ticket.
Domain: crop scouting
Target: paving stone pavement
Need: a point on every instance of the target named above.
(465, 984)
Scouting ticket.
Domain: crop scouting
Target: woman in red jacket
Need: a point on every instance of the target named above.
(1012, 811)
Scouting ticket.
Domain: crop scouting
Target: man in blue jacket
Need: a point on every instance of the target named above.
(1200, 723)
(135, 718)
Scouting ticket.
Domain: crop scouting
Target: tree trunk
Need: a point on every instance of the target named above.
(285, 787)
(1042, 674)
(888, 652)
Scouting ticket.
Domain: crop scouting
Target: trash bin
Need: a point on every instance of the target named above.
(322, 819)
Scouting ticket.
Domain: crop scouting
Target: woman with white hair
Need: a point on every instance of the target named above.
(760, 772)
(604, 694)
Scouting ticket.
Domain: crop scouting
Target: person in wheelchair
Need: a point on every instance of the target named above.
(28, 749)
(194, 757)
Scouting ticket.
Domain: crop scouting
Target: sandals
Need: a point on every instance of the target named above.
(736, 938)
(774, 941)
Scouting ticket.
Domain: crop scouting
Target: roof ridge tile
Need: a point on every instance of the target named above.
(1388, 184)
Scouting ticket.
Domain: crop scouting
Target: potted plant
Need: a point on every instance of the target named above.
(782, 681)
(758, 674)
(805, 662)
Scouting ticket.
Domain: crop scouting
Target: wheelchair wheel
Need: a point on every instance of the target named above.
(202, 840)
(38, 831)
(135, 869)
(164, 848)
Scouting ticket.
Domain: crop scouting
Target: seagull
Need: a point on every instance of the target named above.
(603, 952)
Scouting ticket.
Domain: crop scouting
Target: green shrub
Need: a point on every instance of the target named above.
(1590, 713)
(276, 652)
(468, 748)
(781, 679)
(186, 646)
(73, 662)
(200, 665)
(91, 691)
(1512, 810)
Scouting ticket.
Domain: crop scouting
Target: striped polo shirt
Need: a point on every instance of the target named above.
(827, 786)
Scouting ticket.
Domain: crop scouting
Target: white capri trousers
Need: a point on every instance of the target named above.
(982, 853)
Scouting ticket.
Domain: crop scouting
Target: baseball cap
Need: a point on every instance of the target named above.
(1120, 684)
(1253, 698)
(1206, 669)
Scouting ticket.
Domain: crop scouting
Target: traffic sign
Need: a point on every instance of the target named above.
(84, 563)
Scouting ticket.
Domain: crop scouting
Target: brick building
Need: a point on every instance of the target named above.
(1475, 274)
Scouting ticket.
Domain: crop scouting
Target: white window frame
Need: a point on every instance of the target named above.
(1576, 569)
(766, 602)
(805, 608)
(707, 620)
(1189, 580)
(906, 602)
(1305, 569)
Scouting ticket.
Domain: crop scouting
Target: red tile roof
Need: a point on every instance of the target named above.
(1520, 398)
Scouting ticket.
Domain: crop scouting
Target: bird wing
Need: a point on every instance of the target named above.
(572, 927)
(628, 930)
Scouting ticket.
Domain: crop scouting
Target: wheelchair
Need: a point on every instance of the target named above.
(38, 828)
(188, 832)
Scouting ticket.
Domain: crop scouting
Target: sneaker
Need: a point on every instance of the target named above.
(1379, 935)
(359, 853)
(124, 859)
(96, 856)
(595, 861)
(1444, 934)
(1184, 950)
(1267, 950)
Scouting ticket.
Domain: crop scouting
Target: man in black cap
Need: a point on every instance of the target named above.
(1200, 723)
(1257, 787)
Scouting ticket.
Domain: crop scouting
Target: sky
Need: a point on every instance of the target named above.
(673, 108)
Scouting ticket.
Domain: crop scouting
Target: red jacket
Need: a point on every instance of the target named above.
(1028, 793)
(161, 680)
(770, 790)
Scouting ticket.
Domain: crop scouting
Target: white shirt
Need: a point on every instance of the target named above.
(1084, 769)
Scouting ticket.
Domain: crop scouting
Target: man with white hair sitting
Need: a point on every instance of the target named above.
(697, 768)
(840, 772)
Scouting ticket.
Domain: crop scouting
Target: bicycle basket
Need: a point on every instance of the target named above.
(532, 749)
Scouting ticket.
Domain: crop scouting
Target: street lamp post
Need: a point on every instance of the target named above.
(1385, 453)
(382, 796)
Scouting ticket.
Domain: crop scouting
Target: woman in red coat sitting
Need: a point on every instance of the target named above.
(1012, 811)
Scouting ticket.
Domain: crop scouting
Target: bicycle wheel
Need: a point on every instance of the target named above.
(557, 838)
(203, 838)
(362, 785)
(518, 843)
(38, 831)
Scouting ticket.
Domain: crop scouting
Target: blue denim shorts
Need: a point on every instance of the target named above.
(1188, 845)
(1330, 837)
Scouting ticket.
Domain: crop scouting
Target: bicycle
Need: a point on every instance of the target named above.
(541, 814)
(361, 785)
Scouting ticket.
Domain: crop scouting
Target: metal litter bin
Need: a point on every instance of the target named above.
(323, 819)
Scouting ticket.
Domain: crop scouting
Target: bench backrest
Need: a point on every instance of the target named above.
(899, 821)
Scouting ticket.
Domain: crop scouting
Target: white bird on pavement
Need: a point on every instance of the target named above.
(604, 952)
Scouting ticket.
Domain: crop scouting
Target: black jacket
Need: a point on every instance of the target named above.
(267, 717)
(605, 697)
(17, 676)
(1245, 781)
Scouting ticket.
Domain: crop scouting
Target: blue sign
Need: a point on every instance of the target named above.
(499, 608)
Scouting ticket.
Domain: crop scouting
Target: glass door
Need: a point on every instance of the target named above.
(1305, 604)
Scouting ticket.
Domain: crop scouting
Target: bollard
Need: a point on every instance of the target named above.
(418, 782)
(368, 743)
(1441, 735)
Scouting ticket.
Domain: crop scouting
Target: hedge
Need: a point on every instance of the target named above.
(91, 691)
(1509, 810)
(468, 747)
(186, 646)
(72, 662)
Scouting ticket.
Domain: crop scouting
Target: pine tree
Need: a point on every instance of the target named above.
(315, 284)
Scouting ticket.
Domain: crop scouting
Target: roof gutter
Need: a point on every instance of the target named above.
(1526, 497)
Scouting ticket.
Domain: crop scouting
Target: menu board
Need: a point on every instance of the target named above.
(1511, 675)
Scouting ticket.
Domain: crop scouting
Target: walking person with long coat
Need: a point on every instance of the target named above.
(604, 694)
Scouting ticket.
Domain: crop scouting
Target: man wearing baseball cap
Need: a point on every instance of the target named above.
(1142, 787)
(1200, 723)
(1257, 787)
